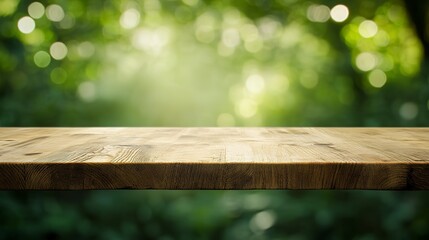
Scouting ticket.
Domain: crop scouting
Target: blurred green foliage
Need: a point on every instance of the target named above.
(213, 63)
(193, 63)
(153, 214)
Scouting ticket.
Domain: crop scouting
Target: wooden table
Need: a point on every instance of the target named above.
(214, 158)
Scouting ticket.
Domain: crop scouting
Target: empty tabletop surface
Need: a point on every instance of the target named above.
(214, 158)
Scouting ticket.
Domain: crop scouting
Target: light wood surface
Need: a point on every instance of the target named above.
(214, 158)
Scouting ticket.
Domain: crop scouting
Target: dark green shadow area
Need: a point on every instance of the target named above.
(151, 214)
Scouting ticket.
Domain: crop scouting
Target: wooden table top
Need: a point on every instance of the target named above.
(214, 158)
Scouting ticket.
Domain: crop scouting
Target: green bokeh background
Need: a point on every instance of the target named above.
(214, 63)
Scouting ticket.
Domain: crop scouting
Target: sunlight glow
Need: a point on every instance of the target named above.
(36, 10)
(58, 50)
(366, 61)
(262, 221)
(55, 13)
(318, 13)
(377, 78)
(130, 18)
(151, 40)
(368, 29)
(339, 13)
(268, 27)
(255, 83)
(26, 25)
(231, 37)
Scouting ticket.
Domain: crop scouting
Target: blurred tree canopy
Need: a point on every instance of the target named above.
(228, 63)
(214, 215)
(214, 63)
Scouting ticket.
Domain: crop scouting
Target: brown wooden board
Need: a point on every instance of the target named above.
(214, 158)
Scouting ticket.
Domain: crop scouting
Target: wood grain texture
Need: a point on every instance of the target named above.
(214, 158)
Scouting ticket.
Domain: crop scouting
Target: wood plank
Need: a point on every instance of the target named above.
(214, 158)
